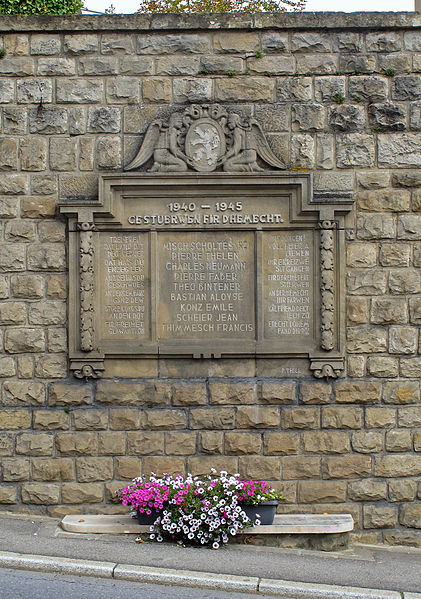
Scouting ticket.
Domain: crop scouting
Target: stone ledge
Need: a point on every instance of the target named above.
(286, 21)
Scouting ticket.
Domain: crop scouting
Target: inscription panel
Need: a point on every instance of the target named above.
(206, 285)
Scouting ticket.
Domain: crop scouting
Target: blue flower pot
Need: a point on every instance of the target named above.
(266, 511)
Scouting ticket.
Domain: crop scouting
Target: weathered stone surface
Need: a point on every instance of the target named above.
(188, 43)
(6, 444)
(61, 394)
(215, 418)
(404, 281)
(47, 313)
(402, 490)
(326, 89)
(350, 466)
(367, 441)
(75, 493)
(398, 441)
(258, 417)
(51, 367)
(33, 91)
(379, 516)
(47, 256)
(398, 62)
(56, 287)
(321, 492)
(116, 43)
(139, 65)
(195, 394)
(274, 41)
(415, 116)
(318, 64)
(235, 89)
(375, 226)
(14, 120)
(300, 418)
(76, 443)
(163, 419)
(41, 494)
(160, 465)
(15, 469)
(242, 443)
(383, 367)
(79, 91)
(12, 257)
(145, 443)
(373, 179)
(271, 65)
(409, 416)
(310, 42)
(18, 393)
(104, 119)
(403, 149)
(308, 117)
(89, 419)
(326, 442)
(401, 392)
(384, 200)
(180, 443)
(110, 443)
(125, 419)
(56, 66)
(33, 207)
(409, 226)
(366, 340)
(347, 117)
(276, 393)
(20, 231)
(223, 393)
(80, 43)
(51, 420)
(33, 154)
(8, 208)
(101, 65)
(388, 310)
(34, 444)
(355, 149)
(108, 152)
(260, 468)
(394, 254)
(324, 151)
(12, 313)
(57, 469)
(281, 443)
(141, 394)
(387, 116)
(383, 42)
(315, 393)
(7, 367)
(406, 87)
(90, 470)
(361, 255)
(367, 490)
(342, 417)
(403, 340)
(127, 467)
(357, 63)
(397, 466)
(211, 442)
(302, 151)
(62, 154)
(22, 340)
(9, 154)
(380, 417)
(293, 89)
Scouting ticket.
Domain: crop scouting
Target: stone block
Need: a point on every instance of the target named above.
(317, 64)
(324, 151)
(216, 65)
(7, 91)
(308, 117)
(383, 42)
(19, 66)
(160, 465)
(358, 63)
(8, 208)
(51, 67)
(26, 286)
(56, 287)
(399, 150)
(387, 116)
(380, 417)
(398, 62)
(95, 469)
(51, 367)
(51, 420)
(34, 444)
(124, 419)
(321, 492)
(145, 443)
(242, 443)
(257, 417)
(63, 154)
(397, 466)
(8, 495)
(211, 442)
(128, 468)
(311, 42)
(410, 515)
(33, 154)
(47, 313)
(180, 443)
(259, 467)
(13, 184)
(187, 43)
(271, 65)
(18, 393)
(376, 226)
(293, 89)
(325, 442)
(98, 65)
(315, 393)
(15, 469)
(367, 490)
(16, 44)
(89, 419)
(104, 119)
(61, 394)
(402, 178)
(79, 44)
(86, 154)
(416, 200)
(50, 231)
(302, 151)
(350, 466)
(373, 180)
(342, 417)
(122, 90)
(23, 340)
(116, 43)
(409, 416)
(78, 120)
(401, 392)
(108, 152)
(394, 254)
(366, 340)
(398, 441)
(56, 469)
(76, 444)
(403, 340)
(389, 310)
(19, 231)
(274, 41)
(7, 367)
(47, 256)
(406, 87)
(6, 444)
(326, 89)
(25, 366)
(355, 149)
(390, 200)
(402, 490)
(355, 366)
(44, 185)
(228, 393)
(382, 367)
(4, 287)
(415, 116)
(139, 65)
(163, 419)
(33, 207)
(111, 443)
(347, 117)
(12, 313)
(191, 395)
(367, 441)
(236, 89)
(276, 393)
(409, 226)
(34, 91)
(49, 120)
(404, 281)
(300, 418)
(236, 42)
(75, 493)
(379, 516)
(213, 418)
(138, 394)
(12, 257)
(79, 91)
(299, 467)
(284, 443)
(9, 154)
(361, 255)
(40, 494)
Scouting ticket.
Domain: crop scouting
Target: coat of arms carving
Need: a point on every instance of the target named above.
(205, 138)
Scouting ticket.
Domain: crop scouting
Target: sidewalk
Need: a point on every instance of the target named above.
(34, 542)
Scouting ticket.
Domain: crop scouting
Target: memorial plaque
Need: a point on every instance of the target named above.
(211, 265)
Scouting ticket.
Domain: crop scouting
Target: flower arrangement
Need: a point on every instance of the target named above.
(201, 510)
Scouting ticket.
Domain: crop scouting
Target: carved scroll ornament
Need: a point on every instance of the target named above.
(87, 284)
(205, 138)
(327, 285)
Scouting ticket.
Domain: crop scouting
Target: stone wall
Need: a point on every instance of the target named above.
(339, 96)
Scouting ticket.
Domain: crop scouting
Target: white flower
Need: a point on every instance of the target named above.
(215, 545)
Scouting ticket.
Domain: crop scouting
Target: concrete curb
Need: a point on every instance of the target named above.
(209, 580)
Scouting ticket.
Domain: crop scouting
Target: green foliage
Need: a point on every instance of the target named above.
(2, 52)
(338, 98)
(40, 7)
(390, 72)
(215, 6)
(258, 54)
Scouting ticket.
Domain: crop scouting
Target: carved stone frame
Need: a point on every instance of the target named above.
(86, 218)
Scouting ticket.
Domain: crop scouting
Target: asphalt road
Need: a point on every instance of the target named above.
(22, 584)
